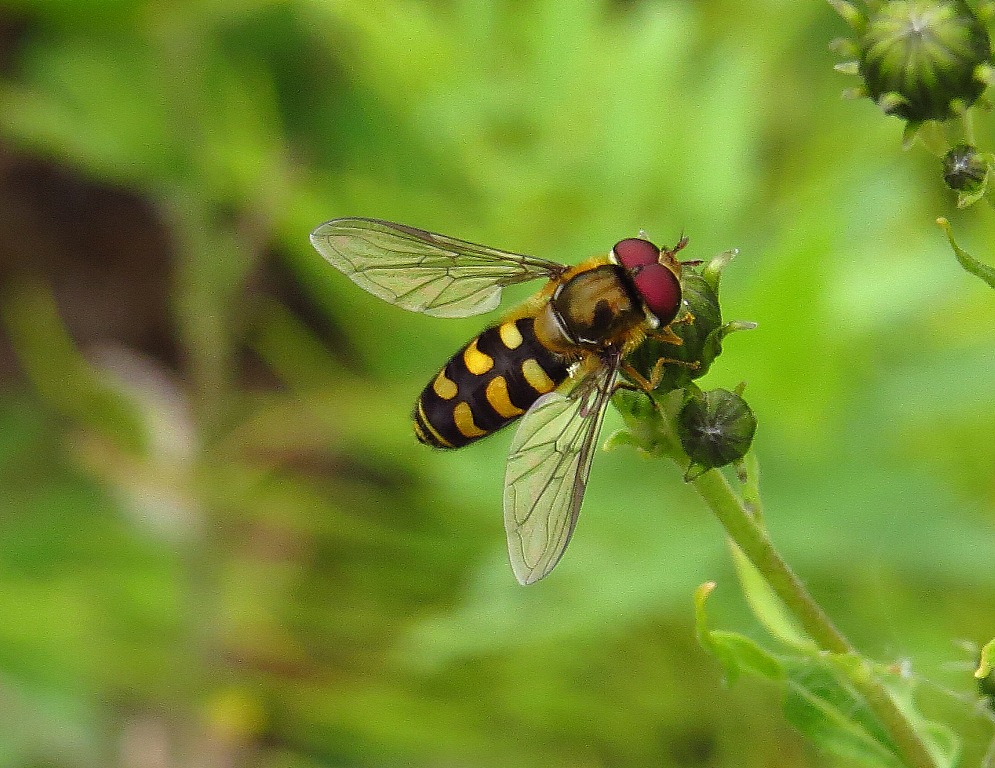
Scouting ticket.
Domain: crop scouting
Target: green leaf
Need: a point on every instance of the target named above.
(940, 741)
(737, 653)
(701, 615)
(966, 260)
(829, 712)
(766, 605)
(943, 744)
(820, 700)
(621, 437)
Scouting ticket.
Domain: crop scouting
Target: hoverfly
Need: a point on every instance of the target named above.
(554, 361)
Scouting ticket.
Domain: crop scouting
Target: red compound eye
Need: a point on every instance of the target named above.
(661, 291)
(635, 252)
(659, 287)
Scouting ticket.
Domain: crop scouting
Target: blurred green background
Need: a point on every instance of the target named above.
(220, 544)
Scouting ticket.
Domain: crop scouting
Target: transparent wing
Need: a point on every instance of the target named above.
(548, 465)
(423, 271)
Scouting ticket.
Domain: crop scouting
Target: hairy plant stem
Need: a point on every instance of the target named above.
(751, 537)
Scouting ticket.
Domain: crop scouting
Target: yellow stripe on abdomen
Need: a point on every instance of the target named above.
(445, 387)
(476, 361)
(464, 421)
(511, 337)
(497, 396)
(537, 377)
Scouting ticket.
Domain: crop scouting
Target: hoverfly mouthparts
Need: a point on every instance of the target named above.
(658, 284)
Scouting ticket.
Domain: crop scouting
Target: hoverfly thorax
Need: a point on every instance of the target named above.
(595, 307)
(656, 275)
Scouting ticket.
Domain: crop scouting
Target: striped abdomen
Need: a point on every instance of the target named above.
(490, 382)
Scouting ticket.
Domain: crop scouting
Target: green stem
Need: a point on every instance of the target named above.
(753, 540)
(967, 122)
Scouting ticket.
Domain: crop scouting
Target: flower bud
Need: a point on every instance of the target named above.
(715, 428)
(964, 168)
(920, 59)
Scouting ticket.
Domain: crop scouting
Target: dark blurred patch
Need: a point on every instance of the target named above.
(13, 30)
(107, 257)
(276, 279)
(102, 250)
(378, 472)
(695, 746)
(622, 7)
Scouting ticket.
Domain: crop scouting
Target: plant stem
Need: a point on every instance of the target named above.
(753, 540)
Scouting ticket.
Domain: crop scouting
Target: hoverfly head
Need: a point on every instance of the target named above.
(655, 273)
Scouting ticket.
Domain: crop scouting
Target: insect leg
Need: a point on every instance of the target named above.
(656, 374)
(666, 335)
(642, 384)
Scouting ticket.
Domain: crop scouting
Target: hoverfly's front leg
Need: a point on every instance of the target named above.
(666, 334)
(643, 384)
(686, 318)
